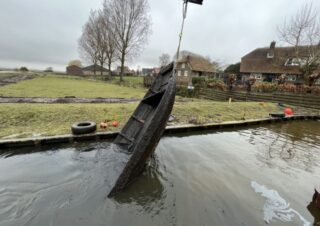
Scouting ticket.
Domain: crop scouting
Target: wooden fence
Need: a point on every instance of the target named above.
(181, 81)
(303, 100)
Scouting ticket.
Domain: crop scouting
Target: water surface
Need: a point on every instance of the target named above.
(253, 176)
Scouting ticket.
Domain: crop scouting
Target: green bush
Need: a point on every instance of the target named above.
(199, 81)
(184, 92)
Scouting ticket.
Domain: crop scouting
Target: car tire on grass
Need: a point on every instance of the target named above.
(83, 127)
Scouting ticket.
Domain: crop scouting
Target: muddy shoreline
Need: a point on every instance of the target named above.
(63, 100)
(11, 79)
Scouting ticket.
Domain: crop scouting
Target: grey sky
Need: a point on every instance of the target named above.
(42, 33)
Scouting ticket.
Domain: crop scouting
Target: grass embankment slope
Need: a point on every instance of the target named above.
(55, 86)
(25, 120)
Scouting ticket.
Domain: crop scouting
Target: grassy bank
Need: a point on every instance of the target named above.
(53, 86)
(128, 81)
(25, 120)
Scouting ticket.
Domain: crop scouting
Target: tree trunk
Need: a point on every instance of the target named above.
(109, 72)
(101, 69)
(122, 66)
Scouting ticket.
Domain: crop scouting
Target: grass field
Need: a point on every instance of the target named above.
(55, 86)
(129, 81)
(25, 120)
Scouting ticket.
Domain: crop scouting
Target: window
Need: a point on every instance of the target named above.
(296, 61)
(292, 77)
(186, 73)
(179, 73)
(183, 65)
(270, 55)
(257, 75)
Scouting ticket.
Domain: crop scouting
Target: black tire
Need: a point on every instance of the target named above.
(83, 127)
(277, 115)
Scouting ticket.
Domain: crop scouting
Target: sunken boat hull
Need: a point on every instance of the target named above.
(145, 127)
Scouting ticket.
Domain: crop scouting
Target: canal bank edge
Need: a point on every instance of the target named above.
(100, 136)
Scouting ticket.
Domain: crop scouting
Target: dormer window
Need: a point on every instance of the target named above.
(270, 55)
(295, 62)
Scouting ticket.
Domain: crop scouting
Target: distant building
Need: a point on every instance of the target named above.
(147, 72)
(150, 71)
(156, 70)
(90, 70)
(194, 66)
(74, 70)
(267, 64)
(126, 70)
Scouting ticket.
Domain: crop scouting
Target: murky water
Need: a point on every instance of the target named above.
(254, 176)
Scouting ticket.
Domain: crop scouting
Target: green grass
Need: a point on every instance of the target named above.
(129, 81)
(23, 120)
(53, 119)
(55, 86)
(215, 112)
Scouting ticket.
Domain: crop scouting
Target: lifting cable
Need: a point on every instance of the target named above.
(184, 15)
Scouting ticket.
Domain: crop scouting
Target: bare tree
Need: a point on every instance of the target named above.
(185, 53)
(164, 59)
(88, 43)
(109, 38)
(131, 22)
(75, 62)
(303, 29)
(218, 65)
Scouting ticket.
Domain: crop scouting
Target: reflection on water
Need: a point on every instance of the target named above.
(146, 189)
(294, 143)
(243, 177)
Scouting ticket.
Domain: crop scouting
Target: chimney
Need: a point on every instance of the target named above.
(271, 51)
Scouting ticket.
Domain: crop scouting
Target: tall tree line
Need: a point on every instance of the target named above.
(116, 32)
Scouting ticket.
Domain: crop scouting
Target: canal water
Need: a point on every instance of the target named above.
(252, 176)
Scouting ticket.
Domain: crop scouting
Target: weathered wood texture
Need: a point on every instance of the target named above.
(303, 100)
(144, 129)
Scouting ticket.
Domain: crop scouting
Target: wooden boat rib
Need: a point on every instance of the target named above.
(145, 127)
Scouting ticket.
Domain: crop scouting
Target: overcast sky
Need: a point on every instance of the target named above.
(43, 33)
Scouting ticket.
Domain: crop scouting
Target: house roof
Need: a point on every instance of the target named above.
(147, 70)
(198, 63)
(258, 62)
(92, 67)
(74, 66)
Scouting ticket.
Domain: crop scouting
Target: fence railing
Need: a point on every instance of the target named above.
(181, 81)
(303, 100)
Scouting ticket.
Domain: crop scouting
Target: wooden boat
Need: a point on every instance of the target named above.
(143, 131)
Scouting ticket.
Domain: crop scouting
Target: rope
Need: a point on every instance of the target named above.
(184, 15)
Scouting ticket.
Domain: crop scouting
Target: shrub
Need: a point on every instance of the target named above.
(216, 84)
(184, 92)
(199, 81)
(265, 87)
(24, 69)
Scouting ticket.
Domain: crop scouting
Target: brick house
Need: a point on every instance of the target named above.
(74, 70)
(193, 66)
(89, 70)
(267, 64)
